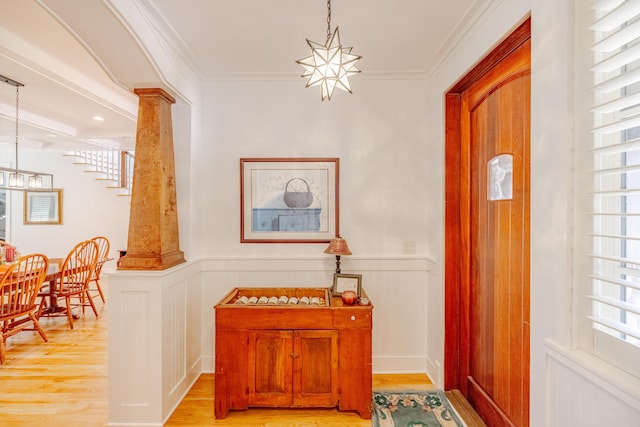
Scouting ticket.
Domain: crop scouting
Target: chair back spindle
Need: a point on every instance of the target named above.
(75, 274)
(19, 288)
(103, 257)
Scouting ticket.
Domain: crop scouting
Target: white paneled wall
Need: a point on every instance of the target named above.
(587, 393)
(162, 325)
(397, 287)
(154, 343)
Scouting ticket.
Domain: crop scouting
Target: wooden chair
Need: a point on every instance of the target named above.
(103, 257)
(75, 274)
(19, 287)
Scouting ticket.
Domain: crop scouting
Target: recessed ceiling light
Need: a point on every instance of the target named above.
(98, 118)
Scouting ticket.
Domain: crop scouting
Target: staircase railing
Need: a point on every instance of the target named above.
(114, 165)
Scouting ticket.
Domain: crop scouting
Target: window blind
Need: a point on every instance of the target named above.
(615, 237)
(42, 209)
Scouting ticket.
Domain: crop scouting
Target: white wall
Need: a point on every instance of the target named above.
(380, 135)
(89, 209)
(186, 131)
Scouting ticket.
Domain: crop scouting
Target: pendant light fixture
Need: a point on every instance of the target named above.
(330, 65)
(35, 181)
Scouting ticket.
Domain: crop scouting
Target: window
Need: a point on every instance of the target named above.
(3, 215)
(615, 260)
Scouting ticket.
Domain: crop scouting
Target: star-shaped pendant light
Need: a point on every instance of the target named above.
(330, 65)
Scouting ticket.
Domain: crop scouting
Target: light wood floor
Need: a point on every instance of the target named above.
(63, 383)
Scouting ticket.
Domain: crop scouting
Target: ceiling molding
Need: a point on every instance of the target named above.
(364, 75)
(465, 29)
(62, 74)
(122, 36)
(158, 41)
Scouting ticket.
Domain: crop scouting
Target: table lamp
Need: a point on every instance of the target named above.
(338, 246)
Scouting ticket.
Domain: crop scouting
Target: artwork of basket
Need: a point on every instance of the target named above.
(298, 199)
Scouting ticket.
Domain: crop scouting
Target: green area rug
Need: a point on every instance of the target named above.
(413, 408)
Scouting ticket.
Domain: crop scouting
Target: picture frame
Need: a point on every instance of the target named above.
(289, 200)
(43, 207)
(346, 282)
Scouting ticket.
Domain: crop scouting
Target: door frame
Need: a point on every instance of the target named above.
(457, 250)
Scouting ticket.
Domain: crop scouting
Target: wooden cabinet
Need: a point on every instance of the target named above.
(292, 355)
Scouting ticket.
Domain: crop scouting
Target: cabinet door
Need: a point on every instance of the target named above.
(270, 368)
(315, 367)
(231, 371)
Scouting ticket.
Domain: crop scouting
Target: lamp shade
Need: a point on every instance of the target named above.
(338, 246)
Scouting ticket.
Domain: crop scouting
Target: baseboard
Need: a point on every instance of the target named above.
(434, 371)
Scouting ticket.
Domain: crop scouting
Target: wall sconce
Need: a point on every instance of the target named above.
(338, 246)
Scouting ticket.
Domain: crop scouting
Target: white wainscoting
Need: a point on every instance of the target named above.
(397, 287)
(154, 343)
(585, 392)
(161, 324)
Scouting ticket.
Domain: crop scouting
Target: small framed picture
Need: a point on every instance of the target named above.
(43, 207)
(346, 282)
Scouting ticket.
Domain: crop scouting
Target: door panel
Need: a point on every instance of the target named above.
(498, 305)
(270, 368)
(487, 234)
(315, 367)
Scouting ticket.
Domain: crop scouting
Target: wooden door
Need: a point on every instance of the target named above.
(315, 367)
(487, 283)
(497, 111)
(270, 368)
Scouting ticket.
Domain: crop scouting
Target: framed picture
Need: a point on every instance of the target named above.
(43, 207)
(346, 282)
(286, 200)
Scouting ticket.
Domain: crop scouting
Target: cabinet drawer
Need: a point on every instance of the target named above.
(345, 318)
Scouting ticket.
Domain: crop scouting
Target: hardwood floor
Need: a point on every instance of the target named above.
(63, 383)
(59, 383)
(197, 408)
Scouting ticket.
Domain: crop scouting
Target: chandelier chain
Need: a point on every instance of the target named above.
(17, 121)
(328, 19)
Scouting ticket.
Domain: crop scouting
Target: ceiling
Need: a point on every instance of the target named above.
(80, 58)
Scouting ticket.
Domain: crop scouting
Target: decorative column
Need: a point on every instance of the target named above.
(153, 223)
